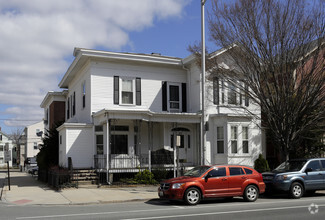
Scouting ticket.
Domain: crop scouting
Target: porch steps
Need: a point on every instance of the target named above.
(85, 177)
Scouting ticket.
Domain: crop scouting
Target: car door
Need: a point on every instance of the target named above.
(323, 172)
(314, 177)
(236, 179)
(216, 182)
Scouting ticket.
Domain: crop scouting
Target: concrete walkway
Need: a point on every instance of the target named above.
(27, 190)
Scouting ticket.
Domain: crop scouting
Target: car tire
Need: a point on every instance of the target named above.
(192, 196)
(296, 190)
(251, 193)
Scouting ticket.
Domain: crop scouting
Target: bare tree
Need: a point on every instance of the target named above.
(278, 49)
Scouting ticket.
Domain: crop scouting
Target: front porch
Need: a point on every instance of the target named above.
(133, 141)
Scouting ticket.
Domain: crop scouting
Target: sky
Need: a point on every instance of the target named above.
(37, 39)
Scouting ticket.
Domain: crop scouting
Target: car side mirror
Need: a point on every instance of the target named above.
(309, 170)
(207, 177)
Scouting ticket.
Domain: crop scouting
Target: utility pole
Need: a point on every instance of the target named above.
(203, 119)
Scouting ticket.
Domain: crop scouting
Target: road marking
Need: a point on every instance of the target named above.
(173, 208)
(220, 213)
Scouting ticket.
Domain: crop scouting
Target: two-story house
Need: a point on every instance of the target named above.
(6, 144)
(127, 110)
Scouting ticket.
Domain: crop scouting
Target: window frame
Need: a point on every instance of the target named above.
(220, 139)
(180, 103)
(245, 139)
(234, 140)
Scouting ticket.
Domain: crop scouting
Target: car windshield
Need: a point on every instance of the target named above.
(290, 165)
(197, 171)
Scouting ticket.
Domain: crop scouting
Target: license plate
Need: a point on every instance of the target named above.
(161, 193)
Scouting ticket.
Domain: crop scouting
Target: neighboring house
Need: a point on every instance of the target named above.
(54, 109)
(30, 140)
(125, 111)
(6, 144)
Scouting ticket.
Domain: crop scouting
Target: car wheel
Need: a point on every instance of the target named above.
(251, 193)
(192, 196)
(296, 191)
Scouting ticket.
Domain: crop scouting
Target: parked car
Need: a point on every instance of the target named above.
(33, 170)
(297, 177)
(213, 181)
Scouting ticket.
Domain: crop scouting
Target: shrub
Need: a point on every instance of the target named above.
(145, 177)
(261, 164)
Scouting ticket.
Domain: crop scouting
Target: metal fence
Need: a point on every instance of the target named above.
(56, 178)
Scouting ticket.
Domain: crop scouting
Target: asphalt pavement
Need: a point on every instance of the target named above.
(27, 190)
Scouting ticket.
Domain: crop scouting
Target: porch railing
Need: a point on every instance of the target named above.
(124, 161)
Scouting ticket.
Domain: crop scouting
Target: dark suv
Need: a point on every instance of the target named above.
(297, 177)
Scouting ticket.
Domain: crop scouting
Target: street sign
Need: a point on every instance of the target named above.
(7, 156)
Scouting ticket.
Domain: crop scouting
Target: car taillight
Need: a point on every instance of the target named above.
(261, 176)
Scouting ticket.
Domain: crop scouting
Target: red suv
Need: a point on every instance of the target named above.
(213, 181)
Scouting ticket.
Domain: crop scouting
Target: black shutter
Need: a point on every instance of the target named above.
(68, 108)
(164, 96)
(184, 98)
(74, 103)
(215, 91)
(116, 90)
(138, 91)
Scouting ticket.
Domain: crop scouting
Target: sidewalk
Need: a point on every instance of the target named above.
(26, 190)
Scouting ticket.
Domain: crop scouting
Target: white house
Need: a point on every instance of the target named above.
(125, 110)
(6, 145)
(31, 139)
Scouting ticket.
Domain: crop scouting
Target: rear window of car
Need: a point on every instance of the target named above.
(248, 171)
(235, 171)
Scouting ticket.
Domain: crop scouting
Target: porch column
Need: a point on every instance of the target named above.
(150, 132)
(108, 144)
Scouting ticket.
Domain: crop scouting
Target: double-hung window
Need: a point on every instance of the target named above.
(245, 140)
(174, 97)
(220, 140)
(234, 137)
(127, 90)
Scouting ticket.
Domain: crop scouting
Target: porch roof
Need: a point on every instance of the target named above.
(147, 115)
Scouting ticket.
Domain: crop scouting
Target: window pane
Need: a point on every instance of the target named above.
(127, 85)
(248, 171)
(234, 147)
(245, 147)
(235, 171)
(245, 133)
(232, 95)
(233, 132)
(220, 147)
(127, 97)
(220, 133)
(174, 93)
(221, 171)
(314, 165)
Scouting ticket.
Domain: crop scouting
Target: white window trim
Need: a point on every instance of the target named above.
(240, 139)
(121, 78)
(180, 96)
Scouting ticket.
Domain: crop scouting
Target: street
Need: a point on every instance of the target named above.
(276, 207)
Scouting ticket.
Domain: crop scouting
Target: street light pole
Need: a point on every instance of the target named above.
(203, 119)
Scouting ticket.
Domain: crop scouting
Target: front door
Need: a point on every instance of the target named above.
(314, 179)
(216, 183)
(182, 140)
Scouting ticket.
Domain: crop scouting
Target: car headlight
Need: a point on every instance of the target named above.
(281, 177)
(177, 185)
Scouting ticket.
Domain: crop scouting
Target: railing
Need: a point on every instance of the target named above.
(124, 161)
